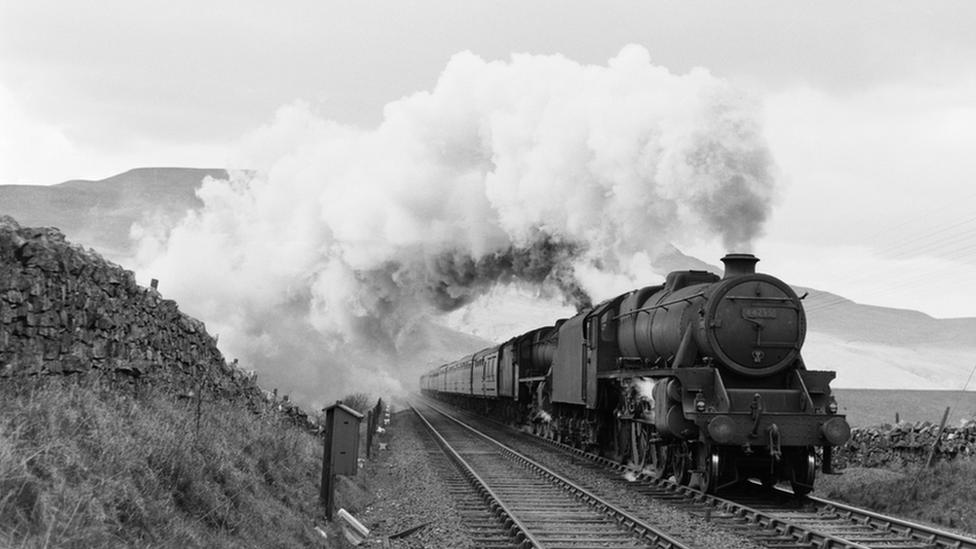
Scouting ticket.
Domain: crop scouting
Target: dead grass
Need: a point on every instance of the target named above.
(83, 466)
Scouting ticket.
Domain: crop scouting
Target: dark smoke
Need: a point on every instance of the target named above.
(462, 278)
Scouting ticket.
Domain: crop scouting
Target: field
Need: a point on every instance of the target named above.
(873, 407)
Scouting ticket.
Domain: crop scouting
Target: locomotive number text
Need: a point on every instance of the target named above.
(759, 312)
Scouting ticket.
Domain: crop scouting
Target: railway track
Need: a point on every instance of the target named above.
(771, 518)
(536, 506)
(482, 526)
(833, 524)
(778, 519)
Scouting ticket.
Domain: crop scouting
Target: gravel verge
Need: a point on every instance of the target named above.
(399, 489)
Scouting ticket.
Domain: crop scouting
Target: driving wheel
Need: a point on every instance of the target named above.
(681, 462)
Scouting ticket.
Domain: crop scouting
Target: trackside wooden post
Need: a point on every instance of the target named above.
(938, 437)
(341, 450)
(372, 422)
(369, 434)
(910, 493)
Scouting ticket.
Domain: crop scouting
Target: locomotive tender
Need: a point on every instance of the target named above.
(700, 377)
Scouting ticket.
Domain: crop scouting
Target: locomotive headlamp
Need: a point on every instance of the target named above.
(832, 406)
(700, 402)
(836, 431)
(721, 429)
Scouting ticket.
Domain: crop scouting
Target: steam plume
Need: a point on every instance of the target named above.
(320, 265)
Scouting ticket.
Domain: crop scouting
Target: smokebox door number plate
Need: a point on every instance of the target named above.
(759, 312)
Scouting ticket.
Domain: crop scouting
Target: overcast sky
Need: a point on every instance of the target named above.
(868, 108)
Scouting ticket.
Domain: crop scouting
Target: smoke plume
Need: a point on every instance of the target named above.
(319, 267)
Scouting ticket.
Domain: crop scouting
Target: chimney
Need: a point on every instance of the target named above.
(739, 264)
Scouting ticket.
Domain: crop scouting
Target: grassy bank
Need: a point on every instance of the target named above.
(84, 466)
(942, 495)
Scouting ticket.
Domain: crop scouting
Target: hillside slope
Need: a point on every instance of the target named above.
(882, 348)
(85, 464)
(853, 322)
(100, 213)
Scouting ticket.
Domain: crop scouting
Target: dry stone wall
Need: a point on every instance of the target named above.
(66, 311)
(905, 443)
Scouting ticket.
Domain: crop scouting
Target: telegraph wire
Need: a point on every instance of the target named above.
(959, 247)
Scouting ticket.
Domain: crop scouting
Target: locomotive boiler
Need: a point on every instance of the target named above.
(700, 378)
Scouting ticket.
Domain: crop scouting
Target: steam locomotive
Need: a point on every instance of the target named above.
(700, 378)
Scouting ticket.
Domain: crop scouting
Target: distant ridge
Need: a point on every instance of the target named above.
(853, 322)
(100, 213)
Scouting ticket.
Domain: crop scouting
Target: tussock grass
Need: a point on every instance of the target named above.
(82, 465)
(942, 495)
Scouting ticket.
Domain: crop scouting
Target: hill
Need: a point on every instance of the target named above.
(100, 213)
(882, 348)
(839, 317)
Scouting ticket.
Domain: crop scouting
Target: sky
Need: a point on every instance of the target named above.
(864, 112)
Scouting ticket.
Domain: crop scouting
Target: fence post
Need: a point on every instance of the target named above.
(327, 489)
(911, 491)
(938, 437)
(369, 434)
